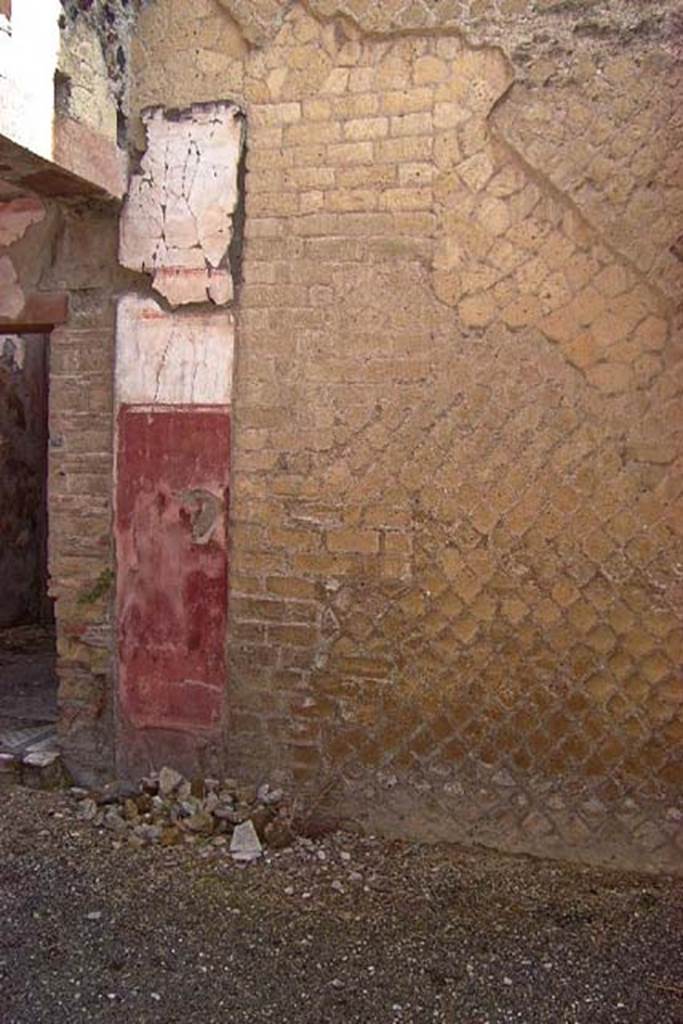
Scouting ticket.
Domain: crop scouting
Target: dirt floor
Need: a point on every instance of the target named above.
(343, 929)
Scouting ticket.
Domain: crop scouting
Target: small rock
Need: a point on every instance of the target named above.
(211, 785)
(246, 794)
(170, 836)
(169, 781)
(189, 807)
(130, 810)
(245, 845)
(260, 819)
(148, 833)
(185, 791)
(158, 805)
(9, 770)
(278, 834)
(43, 769)
(108, 794)
(87, 809)
(338, 887)
(114, 822)
(197, 788)
(143, 803)
(201, 822)
(224, 812)
(149, 785)
(94, 915)
(210, 802)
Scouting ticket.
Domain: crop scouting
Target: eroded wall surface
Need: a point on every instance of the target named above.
(455, 520)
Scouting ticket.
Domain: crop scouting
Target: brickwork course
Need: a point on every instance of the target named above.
(455, 513)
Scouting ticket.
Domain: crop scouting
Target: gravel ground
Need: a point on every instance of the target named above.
(344, 929)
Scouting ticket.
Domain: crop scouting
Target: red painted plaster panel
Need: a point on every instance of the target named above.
(172, 586)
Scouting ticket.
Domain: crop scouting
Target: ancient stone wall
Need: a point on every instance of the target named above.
(455, 520)
(59, 251)
(81, 481)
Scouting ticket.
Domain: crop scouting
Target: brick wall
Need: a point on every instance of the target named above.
(71, 248)
(81, 480)
(81, 446)
(455, 511)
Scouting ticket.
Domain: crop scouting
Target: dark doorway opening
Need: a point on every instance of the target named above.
(28, 681)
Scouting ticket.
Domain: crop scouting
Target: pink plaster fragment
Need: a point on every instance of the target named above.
(220, 287)
(181, 286)
(16, 217)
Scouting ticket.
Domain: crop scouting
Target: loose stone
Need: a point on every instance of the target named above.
(245, 845)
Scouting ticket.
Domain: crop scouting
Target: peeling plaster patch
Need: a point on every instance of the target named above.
(205, 511)
(172, 358)
(16, 217)
(11, 295)
(177, 222)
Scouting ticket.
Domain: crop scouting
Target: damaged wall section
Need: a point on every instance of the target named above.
(173, 393)
(178, 217)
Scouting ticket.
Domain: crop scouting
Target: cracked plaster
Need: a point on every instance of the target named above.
(177, 222)
(172, 358)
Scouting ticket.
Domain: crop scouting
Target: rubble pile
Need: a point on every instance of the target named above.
(167, 809)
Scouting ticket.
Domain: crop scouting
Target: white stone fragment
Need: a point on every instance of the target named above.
(177, 221)
(182, 358)
(169, 779)
(41, 758)
(245, 844)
